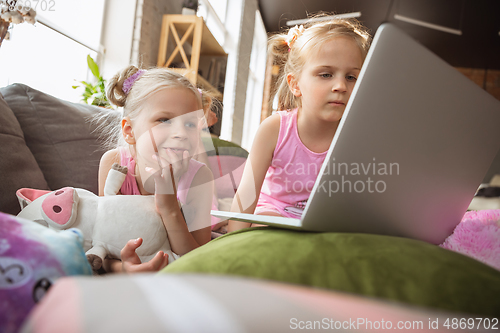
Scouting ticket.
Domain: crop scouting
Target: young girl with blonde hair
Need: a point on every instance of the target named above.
(320, 65)
(163, 116)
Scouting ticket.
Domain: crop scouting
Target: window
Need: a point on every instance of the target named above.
(255, 87)
(51, 55)
(214, 13)
(219, 7)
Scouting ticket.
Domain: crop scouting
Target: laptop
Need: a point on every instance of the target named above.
(414, 143)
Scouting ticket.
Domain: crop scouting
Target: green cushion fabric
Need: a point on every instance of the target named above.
(386, 267)
(216, 146)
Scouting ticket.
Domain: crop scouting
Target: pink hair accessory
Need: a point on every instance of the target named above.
(129, 82)
(293, 34)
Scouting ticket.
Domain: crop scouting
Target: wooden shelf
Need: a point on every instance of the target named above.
(191, 40)
(201, 82)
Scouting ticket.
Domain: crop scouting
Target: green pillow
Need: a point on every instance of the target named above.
(215, 146)
(386, 267)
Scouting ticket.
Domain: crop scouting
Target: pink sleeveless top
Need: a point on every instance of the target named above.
(292, 173)
(130, 187)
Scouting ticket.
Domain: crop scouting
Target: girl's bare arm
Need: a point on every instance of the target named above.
(259, 160)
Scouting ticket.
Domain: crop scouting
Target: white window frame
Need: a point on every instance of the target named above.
(43, 21)
(255, 86)
(213, 21)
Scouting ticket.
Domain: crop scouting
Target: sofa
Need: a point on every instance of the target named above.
(47, 143)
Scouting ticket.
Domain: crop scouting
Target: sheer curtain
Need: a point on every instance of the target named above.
(51, 56)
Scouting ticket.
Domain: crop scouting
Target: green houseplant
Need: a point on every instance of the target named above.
(94, 94)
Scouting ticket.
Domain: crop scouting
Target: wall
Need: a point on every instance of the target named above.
(131, 32)
(132, 37)
(486, 79)
(240, 21)
(148, 29)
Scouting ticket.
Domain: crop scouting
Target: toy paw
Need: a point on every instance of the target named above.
(115, 179)
(120, 168)
(94, 261)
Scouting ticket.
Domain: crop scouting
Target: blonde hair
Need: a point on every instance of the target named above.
(150, 82)
(291, 59)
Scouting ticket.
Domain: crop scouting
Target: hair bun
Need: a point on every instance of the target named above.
(115, 91)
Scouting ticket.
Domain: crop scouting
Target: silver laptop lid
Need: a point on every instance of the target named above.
(415, 141)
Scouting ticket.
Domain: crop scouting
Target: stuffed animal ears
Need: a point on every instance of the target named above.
(28, 195)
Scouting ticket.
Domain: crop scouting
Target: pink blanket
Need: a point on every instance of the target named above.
(478, 236)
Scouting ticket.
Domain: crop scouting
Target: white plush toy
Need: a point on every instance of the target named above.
(107, 222)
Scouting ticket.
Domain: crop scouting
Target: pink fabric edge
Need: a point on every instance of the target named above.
(59, 311)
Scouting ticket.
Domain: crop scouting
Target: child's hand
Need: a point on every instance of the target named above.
(173, 165)
(131, 263)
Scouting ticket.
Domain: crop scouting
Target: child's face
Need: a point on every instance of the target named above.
(171, 120)
(328, 78)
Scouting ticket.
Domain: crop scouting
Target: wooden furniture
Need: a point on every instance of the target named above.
(192, 43)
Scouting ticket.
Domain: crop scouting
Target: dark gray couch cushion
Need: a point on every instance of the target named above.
(59, 135)
(18, 167)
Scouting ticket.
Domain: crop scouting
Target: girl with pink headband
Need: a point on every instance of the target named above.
(158, 140)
